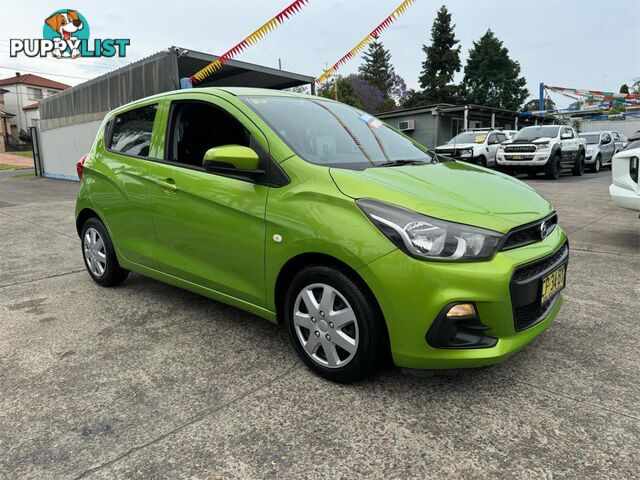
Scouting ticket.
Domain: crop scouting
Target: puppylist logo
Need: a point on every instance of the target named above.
(65, 34)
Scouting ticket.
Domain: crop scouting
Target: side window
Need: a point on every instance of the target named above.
(616, 136)
(569, 131)
(492, 139)
(195, 127)
(607, 137)
(501, 137)
(131, 133)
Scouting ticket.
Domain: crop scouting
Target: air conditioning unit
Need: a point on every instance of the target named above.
(406, 125)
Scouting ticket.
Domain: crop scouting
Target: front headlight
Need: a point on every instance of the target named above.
(542, 146)
(466, 152)
(430, 238)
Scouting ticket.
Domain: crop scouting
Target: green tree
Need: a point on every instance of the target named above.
(346, 93)
(624, 88)
(532, 105)
(377, 69)
(491, 77)
(441, 64)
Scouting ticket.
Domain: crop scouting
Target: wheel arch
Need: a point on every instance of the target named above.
(84, 215)
(303, 260)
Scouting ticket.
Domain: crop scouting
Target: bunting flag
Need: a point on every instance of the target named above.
(375, 33)
(288, 12)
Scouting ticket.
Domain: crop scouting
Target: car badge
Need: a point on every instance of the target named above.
(543, 230)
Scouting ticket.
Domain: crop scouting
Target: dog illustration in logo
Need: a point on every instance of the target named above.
(66, 24)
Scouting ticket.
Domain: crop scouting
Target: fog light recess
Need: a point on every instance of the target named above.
(458, 325)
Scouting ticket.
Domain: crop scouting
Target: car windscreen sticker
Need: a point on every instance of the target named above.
(479, 138)
(370, 120)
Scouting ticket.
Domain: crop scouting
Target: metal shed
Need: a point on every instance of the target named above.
(70, 120)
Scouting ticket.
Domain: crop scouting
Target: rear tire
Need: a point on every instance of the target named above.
(347, 349)
(597, 165)
(552, 168)
(578, 167)
(99, 255)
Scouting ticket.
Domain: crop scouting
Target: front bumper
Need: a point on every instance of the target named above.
(625, 198)
(530, 159)
(412, 293)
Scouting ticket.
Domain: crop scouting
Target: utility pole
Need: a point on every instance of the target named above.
(541, 98)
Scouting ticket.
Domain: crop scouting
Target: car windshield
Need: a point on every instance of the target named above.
(469, 137)
(531, 133)
(592, 139)
(334, 134)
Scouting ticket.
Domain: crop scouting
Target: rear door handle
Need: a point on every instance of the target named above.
(168, 185)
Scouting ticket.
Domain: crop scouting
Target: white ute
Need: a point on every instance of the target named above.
(625, 191)
(545, 148)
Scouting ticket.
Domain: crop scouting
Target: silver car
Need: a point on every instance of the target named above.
(600, 150)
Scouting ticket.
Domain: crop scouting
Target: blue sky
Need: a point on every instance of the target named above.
(574, 43)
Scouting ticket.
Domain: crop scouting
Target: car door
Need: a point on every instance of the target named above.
(569, 145)
(607, 147)
(492, 148)
(210, 228)
(617, 142)
(121, 185)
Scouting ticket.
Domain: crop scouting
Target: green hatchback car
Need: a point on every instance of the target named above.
(315, 214)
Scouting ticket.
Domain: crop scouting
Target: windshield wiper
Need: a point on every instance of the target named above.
(399, 163)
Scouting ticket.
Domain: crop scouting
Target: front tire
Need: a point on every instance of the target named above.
(597, 165)
(552, 168)
(334, 324)
(99, 255)
(482, 161)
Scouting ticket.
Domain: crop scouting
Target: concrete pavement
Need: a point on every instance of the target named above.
(149, 381)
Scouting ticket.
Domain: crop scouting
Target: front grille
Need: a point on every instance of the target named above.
(519, 148)
(525, 289)
(450, 152)
(529, 315)
(534, 269)
(530, 233)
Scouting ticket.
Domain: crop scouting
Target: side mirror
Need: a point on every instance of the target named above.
(565, 136)
(230, 159)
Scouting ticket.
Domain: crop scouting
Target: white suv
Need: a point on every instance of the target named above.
(548, 148)
(475, 146)
(625, 191)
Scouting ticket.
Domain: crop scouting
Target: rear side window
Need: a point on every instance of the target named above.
(131, 134)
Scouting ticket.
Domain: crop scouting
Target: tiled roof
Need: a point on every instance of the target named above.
(31, 106)
(31, 79)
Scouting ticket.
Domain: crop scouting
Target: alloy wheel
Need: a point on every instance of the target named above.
(95, 255)
(326, 325)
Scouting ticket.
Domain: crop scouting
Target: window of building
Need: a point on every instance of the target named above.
(132, 131)
(34, 93)
(457, 124)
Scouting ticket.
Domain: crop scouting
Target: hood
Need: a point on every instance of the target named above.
(454, 191)
(448, 146)
(537, 140)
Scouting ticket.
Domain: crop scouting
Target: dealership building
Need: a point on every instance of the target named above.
(434, 125)
(70, 120)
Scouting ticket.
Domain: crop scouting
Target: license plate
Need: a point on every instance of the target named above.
(553, 283)
(517, 157)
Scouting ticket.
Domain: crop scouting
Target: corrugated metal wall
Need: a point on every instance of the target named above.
(626, 127)
(90, 101)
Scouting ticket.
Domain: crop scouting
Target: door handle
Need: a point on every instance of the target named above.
(169, 185)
